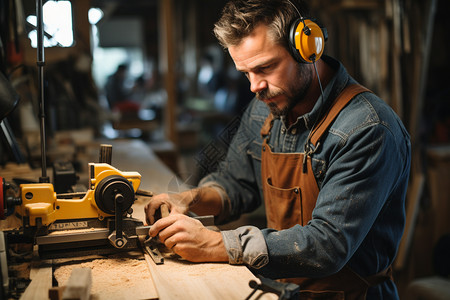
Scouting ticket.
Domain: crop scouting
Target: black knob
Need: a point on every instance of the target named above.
(114, 188)
(105, 153)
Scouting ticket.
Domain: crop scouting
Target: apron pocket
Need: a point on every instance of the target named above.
(283, 206)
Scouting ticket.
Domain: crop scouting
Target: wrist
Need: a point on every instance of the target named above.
(218, 250)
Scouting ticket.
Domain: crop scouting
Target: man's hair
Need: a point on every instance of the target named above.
(240, 17)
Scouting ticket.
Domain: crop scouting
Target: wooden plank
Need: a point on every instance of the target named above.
(79, 285)
(179, 279)
(41, 282)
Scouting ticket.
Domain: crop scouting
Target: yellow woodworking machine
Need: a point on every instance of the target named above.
(108, 188)
(97, 221)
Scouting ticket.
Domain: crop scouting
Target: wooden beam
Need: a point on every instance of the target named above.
(167, 65)
(396, 85)
(421, 61)
(82, 27)
(79, 285)
(41, 282)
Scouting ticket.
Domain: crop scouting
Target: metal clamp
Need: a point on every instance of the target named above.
(285, 291)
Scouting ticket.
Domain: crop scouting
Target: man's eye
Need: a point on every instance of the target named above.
(265, 68)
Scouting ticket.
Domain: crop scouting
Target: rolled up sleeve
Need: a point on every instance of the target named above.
(246, 245)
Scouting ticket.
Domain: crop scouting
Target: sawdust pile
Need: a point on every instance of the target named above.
(114, 278)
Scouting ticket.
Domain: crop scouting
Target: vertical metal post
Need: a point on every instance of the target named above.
(40, 64)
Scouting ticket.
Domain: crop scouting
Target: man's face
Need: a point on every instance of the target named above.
(275, 77)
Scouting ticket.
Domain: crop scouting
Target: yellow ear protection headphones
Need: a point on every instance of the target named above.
(306, 39)
(307, 42)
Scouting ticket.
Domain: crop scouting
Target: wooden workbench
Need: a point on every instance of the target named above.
(134, 277)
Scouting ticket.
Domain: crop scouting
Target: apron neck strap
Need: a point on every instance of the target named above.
(267, 126)
(341, 101)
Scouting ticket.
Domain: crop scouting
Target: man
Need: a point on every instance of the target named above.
(115, 89)
(331, 166)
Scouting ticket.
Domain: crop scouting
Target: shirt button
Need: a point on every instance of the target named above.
(264, 148)
(296, 190)
(294, 131)
(283, 130)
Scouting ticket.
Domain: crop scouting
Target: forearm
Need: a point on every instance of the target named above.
(205, 201)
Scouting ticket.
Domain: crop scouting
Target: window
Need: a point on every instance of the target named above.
(58, 28)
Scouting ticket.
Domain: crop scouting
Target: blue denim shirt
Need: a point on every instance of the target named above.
(362, 169)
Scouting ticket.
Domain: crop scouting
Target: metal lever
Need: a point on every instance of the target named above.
(117, 237)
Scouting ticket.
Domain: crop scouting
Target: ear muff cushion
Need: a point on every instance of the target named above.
(305, 46)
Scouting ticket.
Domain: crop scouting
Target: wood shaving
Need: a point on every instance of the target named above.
(114, 278)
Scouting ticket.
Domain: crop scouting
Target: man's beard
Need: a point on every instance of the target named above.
(298, 92)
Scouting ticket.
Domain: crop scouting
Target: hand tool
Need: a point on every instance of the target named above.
(151, 244)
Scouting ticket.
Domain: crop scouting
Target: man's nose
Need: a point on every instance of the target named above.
(257, 84)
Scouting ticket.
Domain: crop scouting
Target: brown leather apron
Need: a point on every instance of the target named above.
(290, 193)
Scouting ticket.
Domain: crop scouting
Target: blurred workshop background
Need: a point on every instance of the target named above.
(151, 70)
